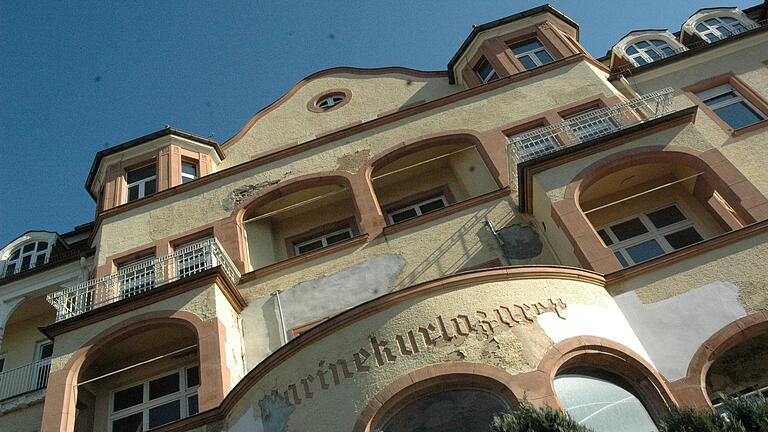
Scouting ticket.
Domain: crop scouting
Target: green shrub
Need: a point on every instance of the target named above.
(527, 418)
(689, 420)
(751, 413)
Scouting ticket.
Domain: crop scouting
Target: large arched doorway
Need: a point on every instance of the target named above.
(741, 370)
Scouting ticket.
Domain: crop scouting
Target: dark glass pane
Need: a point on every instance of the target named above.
(46, 351)
(627, 230)
(11, 269)
(28, 247)
(403, 215)
(164, 414)
(739, 28)
(738, 115)
(658, 43)
(192, 406)
(631, 50)
(141, 173)
(621, 259)
(667, 51)
(338, 237)
(544, 57)
(712, 21)
(189, 168)
(530, 46)
(485, 71)
(725, 32)
(527, 62)
(728, 20)
(666, 216)
(606, 238)
(645, 251)
(185, 180)
(431, 206)
(133, 193)
(701, 27)
(128, 397)
(683, 238)
(653, 55)
(40, 259)
(640, 61)
(41, 246)
(712, 37)
(150, 187)
(132, 423)
(163, 386)
(193, 376)
(2, 363)
(25, 262)
(15, 254)
(642, 44)
(720, 98)
(317, 244)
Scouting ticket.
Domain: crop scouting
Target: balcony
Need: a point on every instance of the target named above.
(589, 126)
(24, 379)
(141, 278)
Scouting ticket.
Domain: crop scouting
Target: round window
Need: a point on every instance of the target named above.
(327, 102)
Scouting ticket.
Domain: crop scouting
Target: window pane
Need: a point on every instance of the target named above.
(666, 216)
(720, 98)
(338, 237)
(645, 251)
(28, 247)
(189, 168)
(530, 46)
(192, 406)
(640, 61)
(653, 55)
(133, 193)
(2, 363)
(738, 115)
(317, 244)
(667, 51)
(15, 254)
(10, 269)
(642, 44)
(712, 21)
(141, 173)
(683, 238)
(185, 179)
(403, 215)
(41, 246)
(621, 259)
(631, 50)
(544, 57)
(132, 423)
(128, 397)
(25, 262)
(701, 27)
(604, 235)
(165, 414)
(150, 187)
(193, 376)
(527, 62)
(46, 351)
(431, 206)
(628, 229)
(658, 43)
(164, 386)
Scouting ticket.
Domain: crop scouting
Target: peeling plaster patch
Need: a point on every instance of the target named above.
(22, 401)
(673, 329)
(351, 162)
(275, 412)
(242, 193)
(319, 298)
(753, 295)
(606, 322)
(247, 423)
(520, 242)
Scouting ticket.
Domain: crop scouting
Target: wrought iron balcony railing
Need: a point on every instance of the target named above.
(142, 277)
(23, 379)
(591, 125)
(696, 45)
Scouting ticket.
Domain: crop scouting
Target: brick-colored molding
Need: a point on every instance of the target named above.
(599, 353)
(691, 391)
(434, 378)
(61, 396)
(747, 201)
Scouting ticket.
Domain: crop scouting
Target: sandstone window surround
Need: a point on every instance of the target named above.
(485, 71)
(730, 103)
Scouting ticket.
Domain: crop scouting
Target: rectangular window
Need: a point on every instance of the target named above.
(188, 171)
(136, 276)
(141, 182)
(322, 241)
(411, 211)
(43, 354)
(193, 257)
(155, 402)
(731, 106)
(531, 54)
(2, 363)
(485, 71)
(586, 124)
(648, 235)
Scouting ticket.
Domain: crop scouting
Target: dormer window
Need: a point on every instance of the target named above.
(717, 28)
(141, 182)
(647, 51)
(531, 54)
(485, 71)
(26, 257)
(188, 171)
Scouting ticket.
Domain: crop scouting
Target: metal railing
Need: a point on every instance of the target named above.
(142, 277)
(692, 46)
(593, 124)
(23, 379)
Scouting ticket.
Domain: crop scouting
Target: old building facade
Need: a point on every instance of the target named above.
(400, 250)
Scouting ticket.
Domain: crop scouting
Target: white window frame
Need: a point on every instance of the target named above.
(654, 233)
(323, 239)
(712, 93)
(492, 75)
(652, 47)
(192, 257)
(416, 207)
(586, 127)
(329, 102)
(189, 176)
(531, 54)
(34, 255)
(182, 395)
(714, 30)
(40, 375)
(140, 183)
(136, 277)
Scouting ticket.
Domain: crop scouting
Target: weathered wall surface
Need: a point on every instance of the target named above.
(23, 419)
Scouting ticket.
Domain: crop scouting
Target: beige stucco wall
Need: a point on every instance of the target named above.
(26, 419)
(21, 337)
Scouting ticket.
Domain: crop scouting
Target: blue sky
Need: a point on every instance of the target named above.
(77, 77)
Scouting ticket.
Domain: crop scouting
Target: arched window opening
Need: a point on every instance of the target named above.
(288, 224)
(717, 28)
(602, 401)
(650, 209)
(647, 51)
(143, 380)
(742, 370)
(425, 180)
(451, 410)
(27, 256)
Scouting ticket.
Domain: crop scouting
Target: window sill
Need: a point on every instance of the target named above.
(303, 258)
(446, 211)
(750, 128)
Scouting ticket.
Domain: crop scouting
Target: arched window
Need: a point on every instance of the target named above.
(27, 256)
(647, 51)
(739, 371)
(602, 402)
(717, 28)
(453, 410)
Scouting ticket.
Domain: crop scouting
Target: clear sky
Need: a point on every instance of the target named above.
(77, 77)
